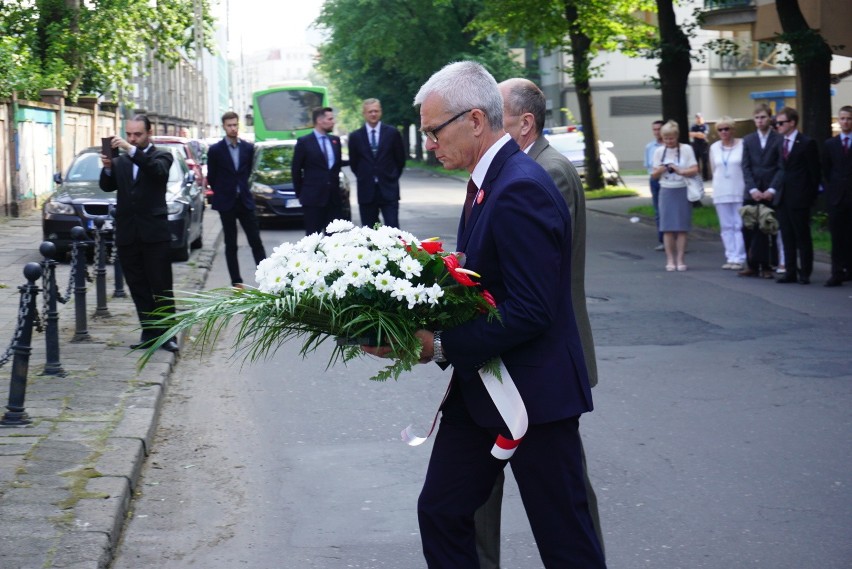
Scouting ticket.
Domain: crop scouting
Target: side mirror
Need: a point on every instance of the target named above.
(57, 177)
(189, 178)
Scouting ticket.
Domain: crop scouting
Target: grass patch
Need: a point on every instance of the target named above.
(705, 218)
(607, 193)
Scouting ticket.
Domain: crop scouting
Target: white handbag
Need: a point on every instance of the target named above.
(694, 188)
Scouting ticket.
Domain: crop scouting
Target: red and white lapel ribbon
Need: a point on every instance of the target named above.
(509, 404)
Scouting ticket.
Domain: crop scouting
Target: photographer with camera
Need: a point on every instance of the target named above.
(672, 163)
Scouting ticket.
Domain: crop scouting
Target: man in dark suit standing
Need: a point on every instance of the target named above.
(837, 171)
(316, 172)
(229, 164)
(762, 175)
(377, 158)
(516, 233)
(524, 108)
(796, 196)
(142, 237)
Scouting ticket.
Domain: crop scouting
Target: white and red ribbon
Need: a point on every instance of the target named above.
(509, 404)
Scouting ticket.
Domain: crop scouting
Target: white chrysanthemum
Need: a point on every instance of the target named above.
(283, 250)
(433, 294)
(339, 225)
(320, 288)
(299, 262)
(309, 243)
(410, 267)
(416, 295)
(376, 262)
(360, 255)
(338, 288)
(396, 253)
(301, 282)
(401, 288)
(384, 282)
(357, 274)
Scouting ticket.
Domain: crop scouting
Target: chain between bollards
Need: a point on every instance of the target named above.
(52, 365)
(16, 414)
(101, 311)
(81, 332)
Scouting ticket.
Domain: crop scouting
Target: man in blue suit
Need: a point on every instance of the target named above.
(516, 233)
(377, 158)
(316, 172)
(229, 164)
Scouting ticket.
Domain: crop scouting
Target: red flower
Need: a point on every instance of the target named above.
(455, 270)
(431, 247)
(489, 298)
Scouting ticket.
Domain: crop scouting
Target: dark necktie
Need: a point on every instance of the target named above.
(468, 200)
(846, 145)
(374, 146)
(324, 144)
(786, 148)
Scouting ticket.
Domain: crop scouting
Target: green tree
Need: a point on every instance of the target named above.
(93, 45)
(812, 56)
(581, 29)
(388, 48)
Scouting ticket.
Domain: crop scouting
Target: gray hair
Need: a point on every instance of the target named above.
(670, 127)
(526, 97)
(465, 85)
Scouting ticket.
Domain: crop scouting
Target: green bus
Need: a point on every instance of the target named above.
(283, 111)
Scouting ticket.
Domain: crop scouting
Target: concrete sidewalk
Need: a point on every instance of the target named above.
(67, 479)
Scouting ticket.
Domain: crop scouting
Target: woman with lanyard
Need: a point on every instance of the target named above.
(726, 160)
(672, 162)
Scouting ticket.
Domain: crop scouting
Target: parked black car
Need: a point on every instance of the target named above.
(79, 200)
(272, 183)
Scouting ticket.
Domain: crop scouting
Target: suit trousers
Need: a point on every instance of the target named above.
(840, 227)
(316, 218)
(370, 213)
(548, 467)
(248, 221)
(796, 227)
(147, 269)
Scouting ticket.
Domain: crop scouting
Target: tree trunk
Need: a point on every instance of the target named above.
(812, 56)
(674, 68)
(580, 72)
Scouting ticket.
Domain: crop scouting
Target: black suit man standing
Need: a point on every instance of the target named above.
(798, 192)
(762, 175)
(377, 158)
(229, 164)
(838, 189)
(142, 237)
(316, 172)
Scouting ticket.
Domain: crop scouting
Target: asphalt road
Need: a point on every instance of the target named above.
(720, 437)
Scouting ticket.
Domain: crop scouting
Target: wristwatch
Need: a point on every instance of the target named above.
(437, 348)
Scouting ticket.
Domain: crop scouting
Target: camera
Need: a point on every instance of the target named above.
(670, 168)
(107, 149)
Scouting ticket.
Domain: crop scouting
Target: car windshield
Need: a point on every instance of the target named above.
(288, 110)
(567, 143)
(272, 166)
(86, 168)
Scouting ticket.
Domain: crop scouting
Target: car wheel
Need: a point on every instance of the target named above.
(181, 254)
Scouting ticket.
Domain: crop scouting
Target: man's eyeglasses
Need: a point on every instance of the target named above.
(723, 129)
(432, 134)
(780, 123)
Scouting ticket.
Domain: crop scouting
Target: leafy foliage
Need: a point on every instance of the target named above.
(388, 48)
(92, 46)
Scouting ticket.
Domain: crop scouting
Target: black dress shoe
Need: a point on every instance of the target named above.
(786, 280)
(834, 281)
(140, 344)
(804, 280)
(171, 346)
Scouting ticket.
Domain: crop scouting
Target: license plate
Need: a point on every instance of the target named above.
(292, 203)
(107, 224)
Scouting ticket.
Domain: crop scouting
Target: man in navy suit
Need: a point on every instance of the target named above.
(838, 189)
(796, 196)
(139, 176)
(377, 158)
(316, 172)
(516, 233)
(229, 164)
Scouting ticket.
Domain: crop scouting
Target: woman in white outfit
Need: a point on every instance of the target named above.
(672, 162)
(726, 159)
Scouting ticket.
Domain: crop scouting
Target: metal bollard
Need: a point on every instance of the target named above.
(52, 364)
(16, 415)
(81, 332)
(101, 311)
(119, 275)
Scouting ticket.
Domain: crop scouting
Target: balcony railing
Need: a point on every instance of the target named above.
(753, 58)
(722, 4)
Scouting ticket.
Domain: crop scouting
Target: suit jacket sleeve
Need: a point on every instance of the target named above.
(155, 164)
(213, 166)
(298, 165)
(107, 182)
(748, 173)
(399, 154)
(354, 152)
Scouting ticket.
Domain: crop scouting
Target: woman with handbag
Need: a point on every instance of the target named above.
(726, 162)
(673, 163)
